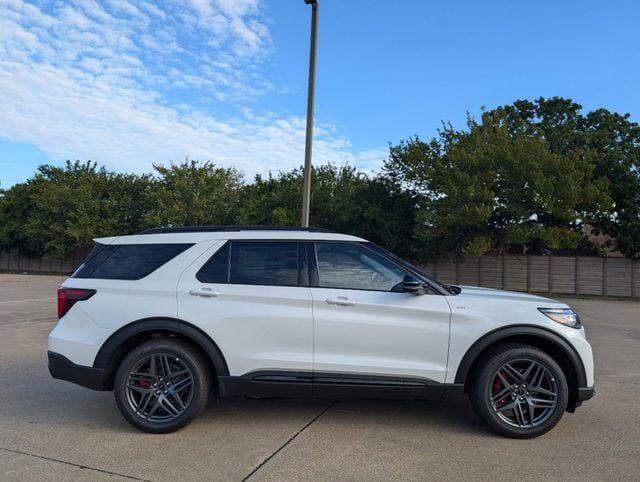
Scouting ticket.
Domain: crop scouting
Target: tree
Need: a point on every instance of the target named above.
(14, 213)
(614, 142)
(193, 193)
(272, 201)
(610, 142)
(62, 208)
(342, 199)
(496, 184)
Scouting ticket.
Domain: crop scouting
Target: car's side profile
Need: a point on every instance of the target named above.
(166, 317)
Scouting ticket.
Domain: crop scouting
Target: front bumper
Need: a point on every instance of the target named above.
(62, 368)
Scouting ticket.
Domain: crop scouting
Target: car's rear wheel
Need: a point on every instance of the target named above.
(162, 385)
(519, 391)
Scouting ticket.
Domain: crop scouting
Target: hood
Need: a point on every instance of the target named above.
(497, 295)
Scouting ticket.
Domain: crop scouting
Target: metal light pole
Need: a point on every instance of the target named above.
(306, 188)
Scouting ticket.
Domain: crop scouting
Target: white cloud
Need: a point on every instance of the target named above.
(93, 80)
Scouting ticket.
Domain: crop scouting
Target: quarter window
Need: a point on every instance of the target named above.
(350, 266)
(127, 261)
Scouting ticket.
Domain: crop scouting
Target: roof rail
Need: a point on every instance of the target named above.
(231, 227)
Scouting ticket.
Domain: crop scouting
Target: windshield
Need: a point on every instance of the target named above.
(405, 264)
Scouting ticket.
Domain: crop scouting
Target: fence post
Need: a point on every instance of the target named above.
(577, 277)
(550, 273)
(528, 273)
(504, 272)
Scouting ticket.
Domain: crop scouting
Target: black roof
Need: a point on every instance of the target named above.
(232, 227)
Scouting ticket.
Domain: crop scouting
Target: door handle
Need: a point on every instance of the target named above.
(340, 301)
(206, 292)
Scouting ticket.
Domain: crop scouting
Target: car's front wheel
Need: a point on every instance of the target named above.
(162, 385)
(519, 391)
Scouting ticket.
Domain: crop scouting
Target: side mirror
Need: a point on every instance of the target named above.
(411, 284)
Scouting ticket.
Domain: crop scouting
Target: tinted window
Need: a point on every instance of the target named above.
(128, 261)
(405, 264)
(346, 265)
(97, 255)
(264, 263)
(216, 270)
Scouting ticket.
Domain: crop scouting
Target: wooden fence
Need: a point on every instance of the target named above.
(12, 261)
(576, 275)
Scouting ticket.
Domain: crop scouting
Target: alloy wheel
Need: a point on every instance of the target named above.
(524, 393)
(159, 388)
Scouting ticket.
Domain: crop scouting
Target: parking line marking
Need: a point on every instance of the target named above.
(86, 467)
(291, 439)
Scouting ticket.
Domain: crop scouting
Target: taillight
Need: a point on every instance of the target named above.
(67, 297)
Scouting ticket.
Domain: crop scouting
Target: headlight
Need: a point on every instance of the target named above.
(566, 316)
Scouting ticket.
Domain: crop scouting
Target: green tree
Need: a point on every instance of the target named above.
(496, 184)
(342, 199)
(14, 213)
(61, 208)
(615, 144)
(193, 193)
(609, 141)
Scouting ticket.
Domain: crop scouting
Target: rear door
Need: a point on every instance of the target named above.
(252, 298)
(367, 330)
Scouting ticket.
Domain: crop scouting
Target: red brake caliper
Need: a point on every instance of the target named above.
(497, 388)
(144, 383)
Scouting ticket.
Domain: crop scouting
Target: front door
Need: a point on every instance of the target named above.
(366, 329)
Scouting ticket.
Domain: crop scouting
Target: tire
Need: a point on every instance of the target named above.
(157, 399)
(515, 405)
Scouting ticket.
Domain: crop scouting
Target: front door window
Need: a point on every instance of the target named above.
(351, 266)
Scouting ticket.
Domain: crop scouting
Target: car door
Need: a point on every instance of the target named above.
(252, 298)
(366, 329)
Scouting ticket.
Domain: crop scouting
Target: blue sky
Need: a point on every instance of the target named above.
(129, 83)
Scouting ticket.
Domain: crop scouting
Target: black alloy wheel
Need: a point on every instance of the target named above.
(524, 393)
(162, 385)
(519, 390)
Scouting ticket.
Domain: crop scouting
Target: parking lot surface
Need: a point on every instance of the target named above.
(54, 430)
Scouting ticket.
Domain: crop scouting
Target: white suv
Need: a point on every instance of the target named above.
(166, 317)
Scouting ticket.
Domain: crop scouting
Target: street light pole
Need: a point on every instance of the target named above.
(306, 188)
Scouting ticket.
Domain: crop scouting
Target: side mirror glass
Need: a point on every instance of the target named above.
(411, 284)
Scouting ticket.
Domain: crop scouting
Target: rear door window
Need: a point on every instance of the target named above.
(274, 263)
(127, 261)
(216, 270)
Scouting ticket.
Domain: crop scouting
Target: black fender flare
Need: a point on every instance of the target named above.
(110, 347)
(520, 330)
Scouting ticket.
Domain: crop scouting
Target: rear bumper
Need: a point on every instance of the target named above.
(62, 368)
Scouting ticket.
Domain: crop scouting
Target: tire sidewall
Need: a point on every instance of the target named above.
(200, 384)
